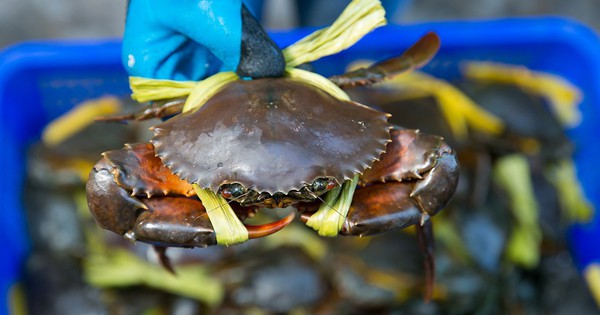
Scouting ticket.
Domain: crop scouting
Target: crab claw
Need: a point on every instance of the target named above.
(414, 179)
(173, 222)
(180, 222)
(131, 192)
(257, 231)
(112, 206)
(380, 207)
(201, 234)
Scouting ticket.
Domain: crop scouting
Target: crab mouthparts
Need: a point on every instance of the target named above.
(278, 201)
(249, 197)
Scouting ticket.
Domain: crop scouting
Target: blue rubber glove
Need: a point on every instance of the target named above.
(182, 39)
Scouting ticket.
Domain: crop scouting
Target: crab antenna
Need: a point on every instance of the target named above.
(323, 201)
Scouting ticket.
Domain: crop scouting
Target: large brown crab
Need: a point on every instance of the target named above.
(275, 143)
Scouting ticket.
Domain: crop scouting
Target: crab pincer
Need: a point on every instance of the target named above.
(132, 193)
(413, 180)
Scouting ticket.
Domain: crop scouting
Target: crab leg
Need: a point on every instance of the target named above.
(426, 241)
(157, 109)
(131, 192)
(414, 57)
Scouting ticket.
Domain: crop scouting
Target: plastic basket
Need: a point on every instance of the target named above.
(40, 81)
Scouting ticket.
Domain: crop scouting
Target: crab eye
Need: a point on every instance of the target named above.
(331, 184)
(321, 184)
(232, 191)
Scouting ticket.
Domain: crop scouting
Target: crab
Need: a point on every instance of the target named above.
(276, 143)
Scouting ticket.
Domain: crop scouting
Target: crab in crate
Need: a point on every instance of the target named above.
(276, 143)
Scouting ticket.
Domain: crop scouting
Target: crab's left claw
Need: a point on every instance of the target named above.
(413, 180)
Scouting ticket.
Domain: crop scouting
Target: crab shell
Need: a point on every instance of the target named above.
(271, 135)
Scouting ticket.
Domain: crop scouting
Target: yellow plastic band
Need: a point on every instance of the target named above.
(119, 268)
(146, 89)
(317, 81)
(228, 227)
(358, 19)
(512, 174)
(592, 277)
(329, 219)
(458, 109)
(574, 205)
(205, 89)
(78, 118)
(562, 96)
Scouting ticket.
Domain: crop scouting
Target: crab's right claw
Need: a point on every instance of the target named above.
(414, 179)
(414, 57)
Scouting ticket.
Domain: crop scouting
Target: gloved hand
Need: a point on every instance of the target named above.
(192, 39)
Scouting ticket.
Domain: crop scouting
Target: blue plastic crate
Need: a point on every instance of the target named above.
(40, 81)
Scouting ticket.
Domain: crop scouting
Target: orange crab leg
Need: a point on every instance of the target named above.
(257, 231)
